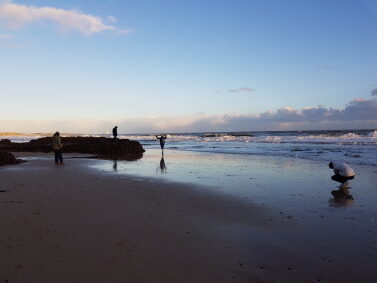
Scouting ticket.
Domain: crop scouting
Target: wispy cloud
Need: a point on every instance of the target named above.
(325, 68)
(374, 92)
(124, 31)
(16, 16)
(4, 36)
(111, 19)
(6, 40)
(241, 89)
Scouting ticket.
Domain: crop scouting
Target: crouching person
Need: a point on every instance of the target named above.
(343, 172)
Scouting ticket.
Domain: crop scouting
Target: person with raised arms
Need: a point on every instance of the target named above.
(162, 139)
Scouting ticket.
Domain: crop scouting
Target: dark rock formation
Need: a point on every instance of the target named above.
(99, 146)
(7, 158)
(5, 141)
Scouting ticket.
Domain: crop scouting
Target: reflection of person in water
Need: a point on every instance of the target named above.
(162, 139)
(115, 165)
(162, 165)
(342, 196)
(343, 172)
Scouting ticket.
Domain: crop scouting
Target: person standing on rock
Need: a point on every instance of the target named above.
(57, 148)
(115, 132)
(162, 139)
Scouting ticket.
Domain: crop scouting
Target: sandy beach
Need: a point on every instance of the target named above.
(201, 218)
(203, 141)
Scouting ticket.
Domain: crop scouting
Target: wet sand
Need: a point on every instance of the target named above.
(237, 220)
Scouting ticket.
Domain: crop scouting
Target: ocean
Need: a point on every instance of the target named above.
(351, 146)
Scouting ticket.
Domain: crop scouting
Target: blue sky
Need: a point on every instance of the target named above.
(152, 66)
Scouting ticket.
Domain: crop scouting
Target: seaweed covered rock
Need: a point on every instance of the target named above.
(7, 158)
(99, 146)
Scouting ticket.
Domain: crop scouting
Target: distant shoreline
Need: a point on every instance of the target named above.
(185, 133)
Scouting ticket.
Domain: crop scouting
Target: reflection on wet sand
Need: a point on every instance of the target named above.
(342, 196)
(163, 165)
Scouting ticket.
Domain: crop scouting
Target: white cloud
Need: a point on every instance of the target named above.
(111, 19)
(16, 16)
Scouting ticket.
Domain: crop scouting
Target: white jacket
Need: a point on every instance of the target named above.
(343, 169)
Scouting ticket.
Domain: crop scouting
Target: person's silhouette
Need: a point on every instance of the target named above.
(162, 139)
(57, 148)
(115, 132)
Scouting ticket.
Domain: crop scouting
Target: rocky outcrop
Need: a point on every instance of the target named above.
(5, 141)
(7, 158)
(99, 146)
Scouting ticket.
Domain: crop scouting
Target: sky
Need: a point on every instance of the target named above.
(181, 66)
